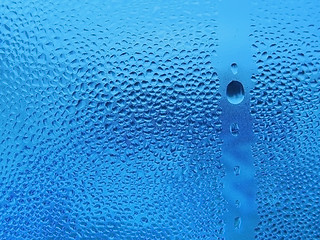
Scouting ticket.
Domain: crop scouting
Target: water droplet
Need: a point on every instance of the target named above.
(234, 129)
(235, 92)
(237, 223)
(234, 68)
(236, 170)
(238, 204)
(144, 219)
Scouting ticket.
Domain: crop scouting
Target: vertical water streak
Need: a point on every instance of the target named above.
(235, 64)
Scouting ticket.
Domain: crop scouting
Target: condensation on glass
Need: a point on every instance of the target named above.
(113, 120)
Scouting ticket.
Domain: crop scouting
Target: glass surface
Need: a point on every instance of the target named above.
(116, 120)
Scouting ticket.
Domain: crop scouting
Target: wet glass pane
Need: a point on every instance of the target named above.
(159, 119)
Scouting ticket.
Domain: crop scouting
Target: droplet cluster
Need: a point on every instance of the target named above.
(109, 120)
(285, 106)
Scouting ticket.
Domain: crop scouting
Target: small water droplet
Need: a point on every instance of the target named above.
(237, 223)
(234, 129)
(236, 170)
(144, 219)
(235, 92)
(238, 204)
(234, 68)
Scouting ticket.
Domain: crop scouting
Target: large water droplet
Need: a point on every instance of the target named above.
(235, 92)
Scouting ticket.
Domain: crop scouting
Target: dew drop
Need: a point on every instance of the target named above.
(235, 92)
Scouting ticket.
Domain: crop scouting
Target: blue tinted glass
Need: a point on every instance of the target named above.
(159, 119)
